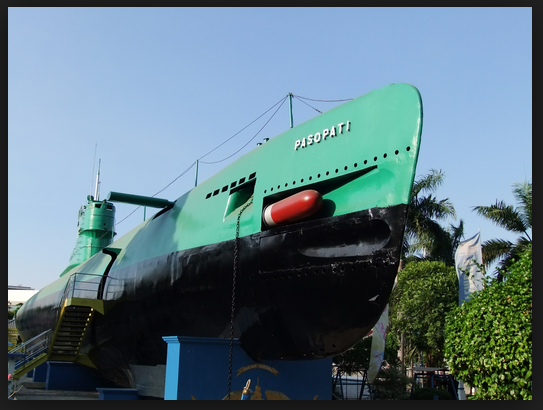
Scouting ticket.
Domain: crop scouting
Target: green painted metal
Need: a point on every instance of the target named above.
(95, 231)
(381, 129)
(361, 155)
(370, 143)
(290, 109)
(139, 200)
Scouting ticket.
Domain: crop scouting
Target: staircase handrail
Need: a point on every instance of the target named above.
(75, 284)
(32, 348)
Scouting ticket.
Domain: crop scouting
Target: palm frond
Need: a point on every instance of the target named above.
(523, 193)
(502, 215)
(431, 208)
(424, 237)
(430, 182)
(495, 249)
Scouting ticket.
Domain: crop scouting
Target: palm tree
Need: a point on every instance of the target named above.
(517, 220)
(424, 237)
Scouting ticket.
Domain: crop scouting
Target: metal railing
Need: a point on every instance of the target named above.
(32, 348)
(354, 386)
(79, 285)
(86, 286)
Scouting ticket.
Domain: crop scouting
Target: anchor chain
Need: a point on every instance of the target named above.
(232, 311)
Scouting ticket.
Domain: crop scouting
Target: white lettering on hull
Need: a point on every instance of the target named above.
(321, 136)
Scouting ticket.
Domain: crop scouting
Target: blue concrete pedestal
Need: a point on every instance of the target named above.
(40, 373)
(70, 376)
(197, 369)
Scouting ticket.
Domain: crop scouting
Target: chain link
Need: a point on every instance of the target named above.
(233, 309)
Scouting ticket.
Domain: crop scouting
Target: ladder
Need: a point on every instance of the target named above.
(65, 341)
(74, 323)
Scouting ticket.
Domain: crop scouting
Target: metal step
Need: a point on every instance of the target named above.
(78, 316)
(67, 342)
(71, 338)
(76, 325)
(71, 332)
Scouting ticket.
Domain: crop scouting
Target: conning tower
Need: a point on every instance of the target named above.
(95, 228)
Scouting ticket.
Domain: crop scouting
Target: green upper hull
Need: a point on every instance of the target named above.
(306, 289)
(384, 130)
(379, 131)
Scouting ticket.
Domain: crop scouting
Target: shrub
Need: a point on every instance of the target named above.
(489, 338)
(391, 384)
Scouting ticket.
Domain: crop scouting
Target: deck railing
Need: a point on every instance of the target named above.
(87, 286)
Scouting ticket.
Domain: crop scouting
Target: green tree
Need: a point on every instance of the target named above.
(424, 237)
(357, 358)
(516, 220)
(489, 337)
(426, 291)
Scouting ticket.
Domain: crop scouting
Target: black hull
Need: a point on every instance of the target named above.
(304, 291)
(324, 293)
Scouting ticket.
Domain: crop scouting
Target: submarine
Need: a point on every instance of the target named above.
(293, 248)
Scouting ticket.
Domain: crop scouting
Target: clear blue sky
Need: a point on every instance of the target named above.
(154, 89)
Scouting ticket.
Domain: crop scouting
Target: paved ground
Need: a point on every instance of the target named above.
(26, 389)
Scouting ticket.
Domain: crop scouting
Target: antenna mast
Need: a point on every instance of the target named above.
(93, 163)
(290, 109)
(97, 188)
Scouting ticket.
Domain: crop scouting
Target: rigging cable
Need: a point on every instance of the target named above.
(254, 136)
(319, 111)
(312, 99)
(179, 176)
(280, 103)
(220, 145)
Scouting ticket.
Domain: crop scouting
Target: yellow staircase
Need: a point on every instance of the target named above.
(75, 319)
(63, 343)
(70, 332)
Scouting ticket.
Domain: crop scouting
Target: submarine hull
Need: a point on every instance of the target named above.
(306, 292)
(308, 289)
(303, 306)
